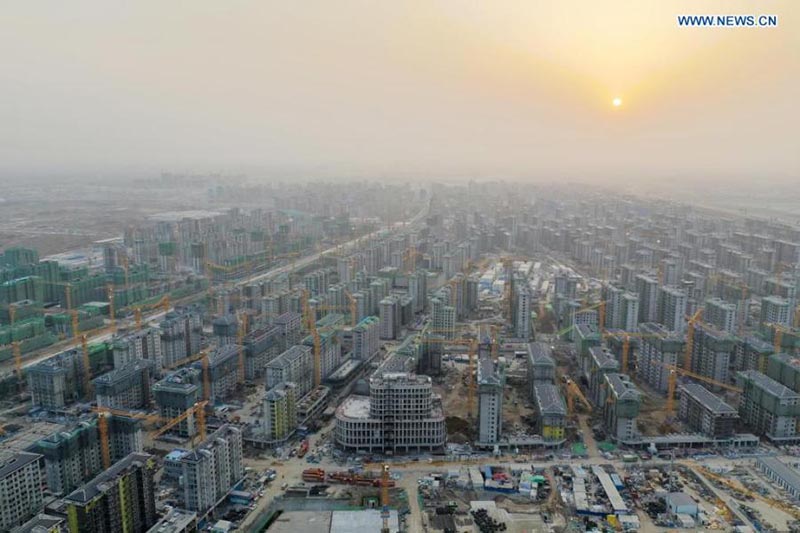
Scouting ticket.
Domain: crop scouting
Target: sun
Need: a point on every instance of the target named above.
(616, 102)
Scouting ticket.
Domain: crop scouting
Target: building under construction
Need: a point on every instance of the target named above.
(551, 412)
(57, 381)
(211, 470)
(260, 347)
(621, 402)
(768, 407)
(127, 387)
(295, 365)
(223, 372)
(181, 334)
(400, 415)
(703, 411)
(73, 455)
(177, 393)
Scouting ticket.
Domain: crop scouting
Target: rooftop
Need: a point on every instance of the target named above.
(788, 474)
(709, 400)
(305, 521)
(355, 407)
(623, 387)
(549, 400)
(19, 460)
(767, 384)
(104, 480)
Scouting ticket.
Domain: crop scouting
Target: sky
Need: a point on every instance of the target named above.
(399, 90)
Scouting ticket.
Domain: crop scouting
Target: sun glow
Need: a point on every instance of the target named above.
(616, 102)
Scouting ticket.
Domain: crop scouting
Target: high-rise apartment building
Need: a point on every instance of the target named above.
(138, 345)
(121, 498)
(720, 314)
(703, 411)
(366, 338)
(660, 350)
(620, 407)
(491, 383)
(769, 408)
(389, 317)
(672, 309)
(523, 325)
(775, 310)
(295, 365)
(126, 387)
(647, 289)
(212, 469)
(21, 488)
(712, 351)
(177, 393)
(181, 332)
(279, 412)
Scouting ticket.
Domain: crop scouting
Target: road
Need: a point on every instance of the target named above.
(37, 357)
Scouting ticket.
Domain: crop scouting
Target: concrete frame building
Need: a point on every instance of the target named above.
(523, 300)
(366, 338)
(260, 347)
(177, 393)
(279, 412)
(768, 407)
(295, 365)
(720, 314)
(551, 411)
(712, 351)
(126, 387)
(56, 382)
(290, 325)
(223, 369)
(659, 349)
(212, 469)
(137, 345)
(775, 310)
(389, 317)
(621, 403)
(21, 489)
(541, 365)
(703, 411)
(672, 309)
(753, 353)
(181, 334)
(596, 363)
(785, 369)
(443, 316)
(72, 456)
(647, 289)
(491, 382)
(400, 415)
(121, 498)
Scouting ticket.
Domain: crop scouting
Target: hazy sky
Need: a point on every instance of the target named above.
(398, 88)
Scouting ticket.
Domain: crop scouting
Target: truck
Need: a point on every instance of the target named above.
(303, 448)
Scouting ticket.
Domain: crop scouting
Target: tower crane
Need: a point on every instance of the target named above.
(472, 344)
(15, 348)
(672, 383)
(111, 315)
(240, 338)
(574, 391)
(385, 499)
(102, 427)
(626, 337)
(87, 368)
(164, 303)
(353, 308)
(687, 359)
(311, 324)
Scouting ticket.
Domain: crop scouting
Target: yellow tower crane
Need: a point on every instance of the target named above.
(241, 334)
(164, 303)
(87, 368)
(111, 313)
(15, 348)
(311, 325)
(385, 499)
(687, 358)
(472, 345)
